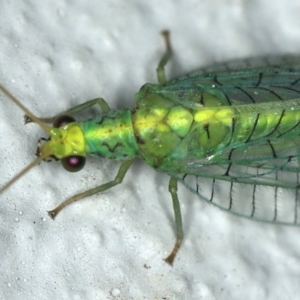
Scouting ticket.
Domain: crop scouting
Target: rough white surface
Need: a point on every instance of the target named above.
(56, 54)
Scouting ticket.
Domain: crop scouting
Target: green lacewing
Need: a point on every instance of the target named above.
(229, 133)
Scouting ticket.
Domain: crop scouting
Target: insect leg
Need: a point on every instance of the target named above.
(76, 109)
(118, 179)
(178, 220)
(160, 71)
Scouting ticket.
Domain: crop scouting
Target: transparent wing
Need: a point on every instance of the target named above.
(259, 182)
(239, 82)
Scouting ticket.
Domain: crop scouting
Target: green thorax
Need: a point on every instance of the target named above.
(159, 125)
(110, 135)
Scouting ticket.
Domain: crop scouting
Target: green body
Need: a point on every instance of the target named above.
(241, 128)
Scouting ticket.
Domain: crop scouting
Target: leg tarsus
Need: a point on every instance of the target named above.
(160, 71)
(178, 221)
(172, 255)
(118, 179)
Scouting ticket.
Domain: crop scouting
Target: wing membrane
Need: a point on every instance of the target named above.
(241, 82)
(252, 183)
(247, 199)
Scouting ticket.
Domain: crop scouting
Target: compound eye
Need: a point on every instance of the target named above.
(73, 163)
(62, 120)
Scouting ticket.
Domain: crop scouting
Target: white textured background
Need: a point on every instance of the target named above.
(56, 54)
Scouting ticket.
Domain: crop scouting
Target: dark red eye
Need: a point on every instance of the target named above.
(73, 163)
(62, 120)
